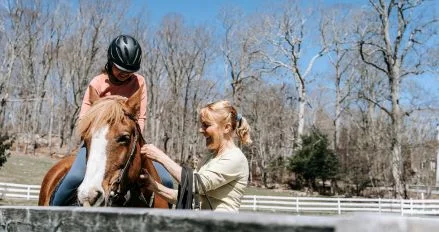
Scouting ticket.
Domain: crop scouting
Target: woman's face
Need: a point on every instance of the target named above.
(121, 75)
(213, 132)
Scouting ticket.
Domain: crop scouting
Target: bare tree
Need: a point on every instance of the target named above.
(370, 124)
(12, 33)
(84, 53)
(395, 53)
(154, 74)
(241, 49)
(338, 34)
(185, 54)
(286, 41)
(33, 19)
(270, 117)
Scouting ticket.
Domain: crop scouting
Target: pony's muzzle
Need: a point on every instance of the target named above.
(94, 197)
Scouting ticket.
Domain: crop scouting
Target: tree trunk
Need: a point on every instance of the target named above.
(301, 120)
(397, 161)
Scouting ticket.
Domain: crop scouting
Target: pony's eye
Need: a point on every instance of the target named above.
(123, 139)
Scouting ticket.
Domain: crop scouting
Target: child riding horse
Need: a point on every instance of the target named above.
(113, 140)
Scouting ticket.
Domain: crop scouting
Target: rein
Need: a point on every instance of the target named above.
(114, 195)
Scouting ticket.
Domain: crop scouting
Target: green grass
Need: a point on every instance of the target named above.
(9, 202)
(24, 169)
(266, 192)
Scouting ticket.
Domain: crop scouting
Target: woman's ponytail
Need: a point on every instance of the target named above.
(243, 130)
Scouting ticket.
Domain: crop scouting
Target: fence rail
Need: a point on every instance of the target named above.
(20, 191)
(339, 205)
(297, 205)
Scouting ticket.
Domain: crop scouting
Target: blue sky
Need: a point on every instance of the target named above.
(206, 12)
(195, 11)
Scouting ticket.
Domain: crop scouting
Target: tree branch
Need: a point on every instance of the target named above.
(363, 58)
(376, 104)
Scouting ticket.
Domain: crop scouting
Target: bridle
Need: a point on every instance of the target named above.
(115, 195)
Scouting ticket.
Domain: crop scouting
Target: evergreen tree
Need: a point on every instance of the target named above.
(5, 144)
(314, 160)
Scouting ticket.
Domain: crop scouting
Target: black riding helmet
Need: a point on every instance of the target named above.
(125, 53)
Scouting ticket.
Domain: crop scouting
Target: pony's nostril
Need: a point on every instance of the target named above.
(98, 194)
(94, 197)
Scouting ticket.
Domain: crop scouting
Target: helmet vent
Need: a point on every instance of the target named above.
(127, 55)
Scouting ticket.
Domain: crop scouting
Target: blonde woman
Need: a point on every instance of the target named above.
(224, 171)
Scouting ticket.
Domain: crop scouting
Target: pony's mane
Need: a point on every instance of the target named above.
(109, 110)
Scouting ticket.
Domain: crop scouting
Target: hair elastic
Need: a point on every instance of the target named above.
(239, 119)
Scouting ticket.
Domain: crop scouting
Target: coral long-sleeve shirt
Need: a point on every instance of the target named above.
(104, 87)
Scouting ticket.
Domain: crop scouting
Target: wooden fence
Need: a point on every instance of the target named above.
(298, 205)
(19, 191)
(339, 205)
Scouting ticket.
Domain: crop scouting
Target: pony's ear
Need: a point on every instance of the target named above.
(134, 102)
(92, 95)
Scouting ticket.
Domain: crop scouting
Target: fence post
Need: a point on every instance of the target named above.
(339, 206)
(3, 192)
(379, 204)
(423, 203)
(28, 192)
(254, 202)
(411, 206)
(297, 205)
(402, 207)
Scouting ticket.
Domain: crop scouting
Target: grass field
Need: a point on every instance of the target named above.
(25, 169)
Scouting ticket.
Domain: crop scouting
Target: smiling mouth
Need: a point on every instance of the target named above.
(124, 77)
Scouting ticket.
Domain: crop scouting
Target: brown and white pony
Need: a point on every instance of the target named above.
(114, 163)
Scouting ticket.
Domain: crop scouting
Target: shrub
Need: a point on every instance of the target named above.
(314, 160)
(5, 144)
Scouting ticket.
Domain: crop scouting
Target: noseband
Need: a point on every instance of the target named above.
(116, 195)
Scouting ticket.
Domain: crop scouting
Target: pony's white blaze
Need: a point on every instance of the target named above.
(94, 173)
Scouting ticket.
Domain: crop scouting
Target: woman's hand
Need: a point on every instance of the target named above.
(153, 153)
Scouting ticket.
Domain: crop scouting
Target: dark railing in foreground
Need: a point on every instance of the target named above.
(135, 219)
